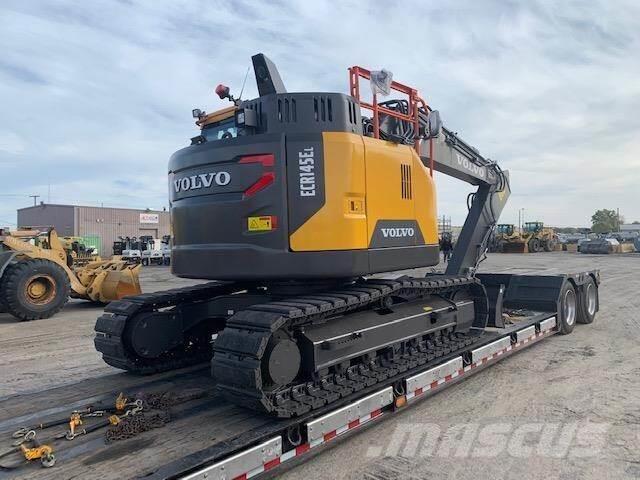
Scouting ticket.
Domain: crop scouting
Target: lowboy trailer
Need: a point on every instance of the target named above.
(279, 445)
(252, 445)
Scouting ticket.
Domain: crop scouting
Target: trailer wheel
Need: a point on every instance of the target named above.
(588, 302)
(34, 289)
(568, 310)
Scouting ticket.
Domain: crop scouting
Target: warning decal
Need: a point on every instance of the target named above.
(261, 224)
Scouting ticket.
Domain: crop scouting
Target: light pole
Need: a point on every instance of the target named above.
(520, 219)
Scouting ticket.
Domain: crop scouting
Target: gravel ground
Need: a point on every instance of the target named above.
(567, 408)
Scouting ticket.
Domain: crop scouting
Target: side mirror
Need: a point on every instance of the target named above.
(434, 124)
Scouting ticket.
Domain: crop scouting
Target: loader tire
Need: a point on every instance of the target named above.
(534, 245)
(588, 302)
(568, 309)
(34, 289)
(549, 245)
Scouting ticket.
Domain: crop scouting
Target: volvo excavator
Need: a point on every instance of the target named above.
(298, 206)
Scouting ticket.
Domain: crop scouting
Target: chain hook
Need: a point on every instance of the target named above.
(30, 435)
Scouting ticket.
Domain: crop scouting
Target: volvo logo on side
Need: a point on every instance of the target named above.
(398, 232)
(472, 167)
(203, 180)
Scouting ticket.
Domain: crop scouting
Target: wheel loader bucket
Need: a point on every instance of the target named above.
(514, 247)
(109, 280)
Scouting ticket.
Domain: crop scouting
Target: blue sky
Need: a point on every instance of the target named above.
(97, 95)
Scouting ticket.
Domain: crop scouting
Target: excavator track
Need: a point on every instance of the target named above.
(237, 365)
(111, 329)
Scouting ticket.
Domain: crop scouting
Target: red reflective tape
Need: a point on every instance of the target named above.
(302, 449)
(433, 384)
(354, 423)
(271, 464)
(419, 391)
(376, 413)
(265, 160)
(461, 371)
(241, 477)
(264, 181)
(447, 378)
(329, 436)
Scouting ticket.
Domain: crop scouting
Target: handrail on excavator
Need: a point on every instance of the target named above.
(414, 103)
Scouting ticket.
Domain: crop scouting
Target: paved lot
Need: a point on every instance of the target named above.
(567, 408)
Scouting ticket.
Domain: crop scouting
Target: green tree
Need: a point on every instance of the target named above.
(605, 221)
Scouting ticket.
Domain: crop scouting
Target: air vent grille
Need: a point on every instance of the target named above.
(322, 109)
(405, 179)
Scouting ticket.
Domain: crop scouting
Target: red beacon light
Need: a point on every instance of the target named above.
(222, 91)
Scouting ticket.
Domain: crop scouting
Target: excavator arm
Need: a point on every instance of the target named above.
(450, 155)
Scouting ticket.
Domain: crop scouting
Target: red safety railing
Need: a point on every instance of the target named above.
(414, 100)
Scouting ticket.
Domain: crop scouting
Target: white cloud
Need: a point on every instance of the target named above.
(11, 143)
(97, 95)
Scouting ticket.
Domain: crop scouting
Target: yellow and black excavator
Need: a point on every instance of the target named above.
(38, 275)
(291, 201)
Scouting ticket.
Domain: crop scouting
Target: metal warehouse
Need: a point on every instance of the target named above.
(99, 226)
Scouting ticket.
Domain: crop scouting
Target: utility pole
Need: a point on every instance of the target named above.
(35, 199)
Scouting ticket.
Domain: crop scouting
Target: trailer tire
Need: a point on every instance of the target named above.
(568, 310)
(34, 289)
(588, 302)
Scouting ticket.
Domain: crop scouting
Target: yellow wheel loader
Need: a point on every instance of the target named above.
(508, 240)
(535, 237)
(37, 276)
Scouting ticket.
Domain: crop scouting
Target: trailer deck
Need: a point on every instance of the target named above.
(238, 443)
(184, 446)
